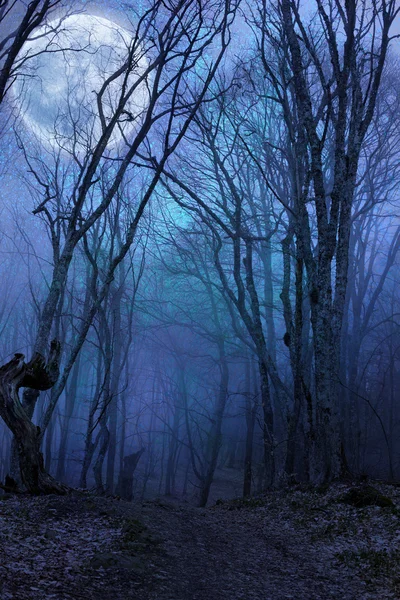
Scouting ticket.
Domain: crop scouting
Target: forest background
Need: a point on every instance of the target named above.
(210, 238)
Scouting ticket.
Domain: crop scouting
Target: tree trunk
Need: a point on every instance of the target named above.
(268, 425)
(215, 437)
(116, 368)
(125, 480)
(173, 448)
(36, 375)
(90, 445)
(70, 400)
(104, 436)
(251, 414)
(48, 456)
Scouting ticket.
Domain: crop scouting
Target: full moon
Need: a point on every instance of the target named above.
(67, 65)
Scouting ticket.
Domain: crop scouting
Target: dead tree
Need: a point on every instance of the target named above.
(334, 101)
(15, 36)
(183, 37)
(125, 480)
(37, 374)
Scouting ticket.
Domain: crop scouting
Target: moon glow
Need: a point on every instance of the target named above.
(66, 68)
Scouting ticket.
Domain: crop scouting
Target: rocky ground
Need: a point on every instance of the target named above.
(337, 543)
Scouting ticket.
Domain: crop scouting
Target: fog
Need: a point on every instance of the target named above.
(218, 269)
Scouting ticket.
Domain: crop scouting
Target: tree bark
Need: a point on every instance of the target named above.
(37, 375)
(251, 414)
(215, 435)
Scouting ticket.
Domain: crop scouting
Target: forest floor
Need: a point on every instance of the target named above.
(298, 544)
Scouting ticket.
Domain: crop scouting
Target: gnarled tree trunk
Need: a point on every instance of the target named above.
(37, 375)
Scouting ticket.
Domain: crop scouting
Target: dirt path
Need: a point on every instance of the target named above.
(236, 555)
(298, 546)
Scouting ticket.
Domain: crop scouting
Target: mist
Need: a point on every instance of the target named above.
(199, 249)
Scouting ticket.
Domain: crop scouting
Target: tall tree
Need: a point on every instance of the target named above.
(174, 38)
(334, 104)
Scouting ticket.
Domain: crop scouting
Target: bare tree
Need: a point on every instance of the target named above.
(17, 24)
(239, 230)
(334, 104)
(174, 38)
